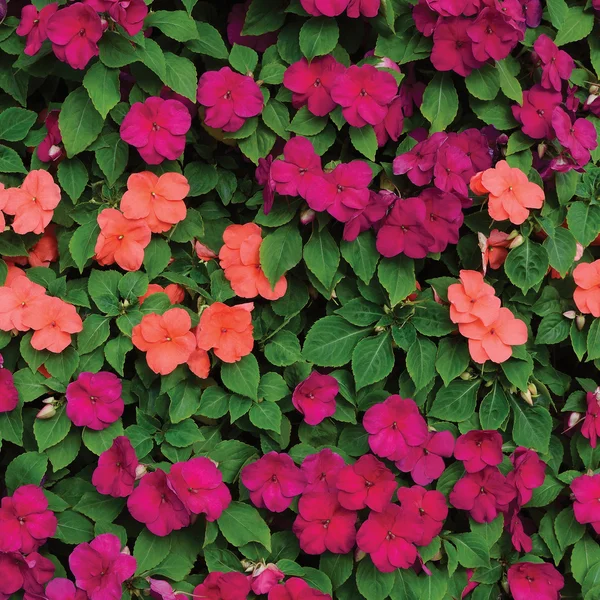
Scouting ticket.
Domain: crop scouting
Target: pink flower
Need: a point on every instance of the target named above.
(451, 170)
(163, 590)
(94, 400)
(535, 114)
(29, 572)
(49, 148)
(579, 137)
(426, 511)
(365, 8)
(591, 424)
(453, 48)
(364, 94)
(311, 83)
(455, 8)
(33, 25)
(393, 426)
(391, 127)
(471, 585)
(329, 8)
(299, 169)
(63, 589)
(235, 24)
(586, 507)
(25, 521)
(265, 578)
(484, 494)
(74, 32)
(154, 503)
(443, 218)
(223, 586)
(532, 10)
(390, 537)
(366, 483)
(264, 177)
(425, 462)
(418, 163)
(199, 485)
(129, 14)
(229, 98)
(323, 524)
(315, 397)
(411, 91)
(157, 129)
(479, 449)
(296, 589)
(343, 192)
(372, 215)
(528, 474)
(9, 396)
(556, 64)
(100, 568)
(115, 473)
(512, 523)
(534, 580)
(321, 471)
(274, 481)
(493, 36)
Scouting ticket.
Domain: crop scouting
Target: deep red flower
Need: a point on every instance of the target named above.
(534, 580)
(557, 65)
(418, 162)
(321, 471)
(425, 462)
(579, 137)
(453, 48)
(493, 35)
(29, 573)
(535, 115)
(426, 509)
(528, 473)
(479, 449)
(372, 215)
(315, 397)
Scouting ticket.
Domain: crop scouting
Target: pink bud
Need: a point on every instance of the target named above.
(126, 550)
(47, 412)
(140, 471)
(49, 400)
(307, 216)
(103, 23)
(265, 577)
(387, 63)
(569, 314)
(203, 252)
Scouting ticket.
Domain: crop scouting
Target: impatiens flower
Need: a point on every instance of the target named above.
(453, 48)
(264, 177)
(473, 300)
(223, 586)
(454, 8)
(229, 98)
(235, 25)
(157, 200)
(199, 362)
(535, 114)
(315, 397)
(394, 426)
(157, 129)
(166, 339)
(534, 580)
(494, 341)
(240, 260)
(451, 168)
(29, 572)
(321, 471)
(474, 143)
(425, 462)
(372, 215)
(53, 321)
(296, 589)
(45, 250)
(274, 481)
(100, 568)
(471, 585)
(329, 8)
(175, 292)
(265, 577)
(121, 240)
(364, 93)
(324, 525)
(484, 494)
(586, 507)
(204, 253)
(94, 400)
(9, 396)
(426, 511)
(479, 449)
(33, 203)
(403, 231)
(591, 423)
(390, 537)
(587, 292)
(366, 483)
(226, 330)
(163, 590)
(512, 523)
(299, 169)
(579, 137)
(63, 589)
(14, 300)
(411, 90)
(74, 32)
(155, 504)
(25, 521)
(528, 473)
(115, 473)
(130, 14)
(365, 8)
(33, 26)
(391, 127)
(557, 65)
(199, 485)
(494, 249)
(443, 218)
(493, 36)
(311, 83)
(418, 163)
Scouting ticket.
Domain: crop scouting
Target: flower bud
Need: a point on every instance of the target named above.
(502, 139)
(580, 322)
(265, 578)
(518, 241)
(387, 63)
(466, 376)
(531, 387)
(597, 393)
(248, 565)
(54, 152)
(591, 99)
(527, 397)
(379, 329)
(574, 418)
(541, 149)
(594, 89)
(307, 216)
(569, 314)
(431, 429)
(103, 23)
(50, 400)
(359, 555)
(47, 412)
(126, 550)
(140, 471)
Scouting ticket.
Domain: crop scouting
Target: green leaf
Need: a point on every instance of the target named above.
(243, 59)
(266, 415)
(518, 142)
(472, 550)
(484, 83)
(494, 407)
(566, 185)
(322, 256)
(318, 36)
(73, 177)
(456, 402)
(99, 507)
(432, 319)
(27, 468)
(73, 528)
(10, 161)
(276, 116)
(452, 359)
(232, 456)
(362, 255)
(64, 453)
(561, 248)
(593, 340)
(96, 329)
(497, 113)
(586, 553)
(49, 432)
(79, 122)
(584, 222)
(440, 102)
(208, 42)
(63, 365)
(116, 51)
(181, 75)
(553, 328)
(568, 530)
(509, 83)
(532, 426)
(150, 550)
(576, 25)
(371, 582)
(283, 349)
(338, 567)
(397, 276)
(242, 524)
(420, 362)
(280, 251)
(264, 16)
(372, 359)
(112, 159)
(526, 265)
(175, 24)
(156, 257)
(103, 87)
(558, 10)
(15, 123)
(242, 377)
(100, 441)
(185, 400)
(305, 123)
(184, 434)
(152, 56)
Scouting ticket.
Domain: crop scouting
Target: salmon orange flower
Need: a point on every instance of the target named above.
(3, 200)
(473, 300)
(240, 260)
(166, 339)
(199, 363)
(226, 330)
(33, 203)
(494, 249)
(157, 200)
(204, 253)
(46, 249)
(494, 341)
(53, 321)
(121, 240)
(15, 298)
(175, 292)
(587, 293)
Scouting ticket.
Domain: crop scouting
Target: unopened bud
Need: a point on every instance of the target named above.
(505, 585)
(431, 429)
(512, 389)
(248, 565)
(518, 241)
(580, 322)
(104, 24)
(594, 89)
(307, 216)
(359, 555)
(54, 152)
(50, 400)
(502, 139)
(569, 314)
(126, 550)
(126, 303)
(140, 471)
(597, 393)
(531, 387)
(527, 397)
(379, 329)
(437, 556)
(512, 235)
(387, 63)
(574, 418)
(466, 376)
(47, 412)
(542, 147)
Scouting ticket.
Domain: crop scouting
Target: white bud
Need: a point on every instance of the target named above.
(49, 400)
(569, 314)
(580, 322)
(307, 216)
(140, 471)
(518, 241)
(527, 397)
(47, 412)
(574, 418)
(126, 550)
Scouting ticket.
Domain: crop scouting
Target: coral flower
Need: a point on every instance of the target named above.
(534, 580)
(157, 200)
(63, 589)
(494, 250)
(121, 240)
(166, 339)
(426, 510)
(175, 292)
(223, 586)
(479, 449)
(45, 250)
(33, 203)
(321, 471)
(425, 462)
(587, 292)
(240, 259)
(53, 321)
(115, 473)
(33, 26)
(315, 397)
(14, 300)
(296, 589)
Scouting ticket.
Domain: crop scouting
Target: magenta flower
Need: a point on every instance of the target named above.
(63, 589)
(115, 474)
(25, 521)
(557, 65)
(9, 396)
(579, 137)
(586, 507)
(329, 8)
(315, 397)
(394, 426)
(274, 481)
(451, 169)
(29, 573)
(512, 523)
(223, 586)
(479, 449)
(443, 218)
(311, 83)
(425, 19)
(157, 129)
(372, 215)
(425, 462)
(453, 48)
(475, 145)
(366, 483)
(265, 577)
(391, 127)
(235, 24)
(418, 163)
(166, 93)
(535, 115)
(426, 511)
(156, 505)
(591, 424)
(364, 8)
(411, 92)
(199, 485)
(365, 94)
(74, 32)
(403, 231)
(296, 589)
(100, 568)
(299, 169)
(94, 400)
(163, 590)
(49, 148)
(455, 8)
(534, 580)
(493, 36)
(321, 471)
(33, 26)
(529, 472)
(324, 525)
(532, 11)
(129, 14)
(229, 98)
